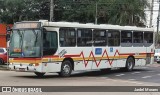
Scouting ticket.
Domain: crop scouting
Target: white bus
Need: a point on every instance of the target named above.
(62, 47)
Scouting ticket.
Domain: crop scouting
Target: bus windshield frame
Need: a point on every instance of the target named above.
(26, 43)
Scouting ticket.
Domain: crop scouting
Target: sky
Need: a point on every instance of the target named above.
(155, 13)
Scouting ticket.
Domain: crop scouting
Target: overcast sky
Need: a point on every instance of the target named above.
(155, 13)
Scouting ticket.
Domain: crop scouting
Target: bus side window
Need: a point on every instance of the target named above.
(84, 37)
(50, 43)
(126, 36)
(67, 37)
(45, 41)
(148, 37)
(113, 38)
(138, 37)
(99, 37)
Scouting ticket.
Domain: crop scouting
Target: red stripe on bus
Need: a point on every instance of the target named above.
(27, 58)
(71, 55)
(55, 56)
(98, 63)
(147, 53)
(127, 54)
(135, 53)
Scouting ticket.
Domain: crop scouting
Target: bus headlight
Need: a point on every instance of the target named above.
(35, 64)
(10, 63)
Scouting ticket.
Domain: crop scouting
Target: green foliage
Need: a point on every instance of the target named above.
(121, 12)
(17, 10)
(128, 12)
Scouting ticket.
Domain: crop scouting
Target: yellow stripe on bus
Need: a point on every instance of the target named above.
(76, 59)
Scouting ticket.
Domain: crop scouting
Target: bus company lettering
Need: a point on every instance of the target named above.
(25, 89)
(101, 41)
(62, 53)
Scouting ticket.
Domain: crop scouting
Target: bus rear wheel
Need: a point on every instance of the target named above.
(130, 64)
(66, 69)
(39, 74)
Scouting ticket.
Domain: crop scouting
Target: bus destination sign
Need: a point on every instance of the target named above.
(27, 25)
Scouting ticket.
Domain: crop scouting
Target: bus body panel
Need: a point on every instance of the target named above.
(87, 57)
(51, 67)
(80, 55)
(106, 59)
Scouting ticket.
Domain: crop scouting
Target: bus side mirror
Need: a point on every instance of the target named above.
(7, 37)
(8, 29)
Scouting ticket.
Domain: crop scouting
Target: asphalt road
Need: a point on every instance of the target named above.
(141, 76)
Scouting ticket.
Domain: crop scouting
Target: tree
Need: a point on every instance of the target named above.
(17, 10)
(128, 12)
(120, 12)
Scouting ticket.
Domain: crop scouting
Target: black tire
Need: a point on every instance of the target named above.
(158, 61)
(66, 69)
(130, 64)
(1, 62)
(39, 74)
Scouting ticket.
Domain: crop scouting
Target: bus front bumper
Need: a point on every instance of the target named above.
(22, 67)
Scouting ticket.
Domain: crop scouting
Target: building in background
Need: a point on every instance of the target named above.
(3, 35)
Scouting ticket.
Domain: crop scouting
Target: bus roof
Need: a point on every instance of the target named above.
(90, 25)
(46, 23)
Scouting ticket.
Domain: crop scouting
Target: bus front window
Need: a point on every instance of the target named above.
(25, 43)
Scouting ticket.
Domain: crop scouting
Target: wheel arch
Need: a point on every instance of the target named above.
(131, 56)
(1, 60)
(71, 60)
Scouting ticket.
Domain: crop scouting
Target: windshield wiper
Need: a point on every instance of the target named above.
(36, 35)
(21, 37)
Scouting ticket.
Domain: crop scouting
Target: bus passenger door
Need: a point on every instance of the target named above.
(148, 43)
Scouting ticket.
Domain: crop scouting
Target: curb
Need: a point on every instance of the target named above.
(153, 65)
(4, 67)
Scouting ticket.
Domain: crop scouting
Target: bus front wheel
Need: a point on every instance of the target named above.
(66, 69)
(39, 74)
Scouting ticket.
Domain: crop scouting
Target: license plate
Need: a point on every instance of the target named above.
(21, 69)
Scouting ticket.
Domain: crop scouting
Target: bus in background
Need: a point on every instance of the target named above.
(157, 55)
(62, 47)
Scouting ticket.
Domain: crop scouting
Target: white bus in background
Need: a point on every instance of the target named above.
(62, 47)
(157, 55)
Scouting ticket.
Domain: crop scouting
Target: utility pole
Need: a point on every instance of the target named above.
(51, 10)
(158, 24)
(151, 14)
(96, 14)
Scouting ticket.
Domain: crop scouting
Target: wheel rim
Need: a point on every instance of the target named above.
(130, 64)
(66, 69)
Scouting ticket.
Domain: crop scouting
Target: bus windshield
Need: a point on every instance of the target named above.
(25, 43)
